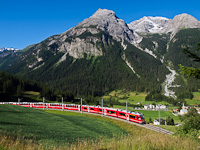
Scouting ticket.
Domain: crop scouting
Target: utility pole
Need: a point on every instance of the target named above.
(81, 104)
(43, 102)
(62, 105)
(102, 106)
(126, 111)
(159, 117)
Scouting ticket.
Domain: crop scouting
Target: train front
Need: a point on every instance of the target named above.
(142, 121)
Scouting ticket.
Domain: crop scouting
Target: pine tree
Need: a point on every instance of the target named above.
(190, 71)
(150, 120)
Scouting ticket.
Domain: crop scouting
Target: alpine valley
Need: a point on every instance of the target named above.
(103, 53)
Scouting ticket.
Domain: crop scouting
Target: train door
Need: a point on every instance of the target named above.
(79, 108)
(127, 117)
(105, 112)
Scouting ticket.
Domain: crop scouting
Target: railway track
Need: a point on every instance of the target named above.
(147, 126)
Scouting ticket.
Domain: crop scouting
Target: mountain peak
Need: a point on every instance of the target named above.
(149, 24)
(103, 13)
(107, 21)
(181, 21)
(185, 16)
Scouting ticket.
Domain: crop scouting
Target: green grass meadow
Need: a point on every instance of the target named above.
(155, 115)
(195, 100)
(31, 129)
(54, 127)
(139, 97)
(131, 97)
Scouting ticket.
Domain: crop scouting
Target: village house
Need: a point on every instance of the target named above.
(163, 107)
(149, 107)
(184, 110)
(198, 109)
(175, 110)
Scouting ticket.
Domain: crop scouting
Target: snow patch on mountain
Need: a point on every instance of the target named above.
(164, 25)
(149, 24)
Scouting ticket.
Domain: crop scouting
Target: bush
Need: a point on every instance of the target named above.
(191, 124)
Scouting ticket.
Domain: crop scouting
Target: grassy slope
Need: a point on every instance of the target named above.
(139, 97)
(131, 97)
(51, 128)
(195, 100)
(138, 138)
(155, 115)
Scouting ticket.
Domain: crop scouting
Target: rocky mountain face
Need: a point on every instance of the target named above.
(82, 38)
(103, 53)
(182, 21)
(149, 24)
(164, 25)
(5, 53)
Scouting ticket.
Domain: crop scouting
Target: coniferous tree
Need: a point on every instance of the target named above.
(191, 71)
(150, 120)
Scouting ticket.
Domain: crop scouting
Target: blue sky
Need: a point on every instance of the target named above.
(24, 22)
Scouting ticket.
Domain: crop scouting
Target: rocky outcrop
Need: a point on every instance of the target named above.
(149, 24)
(182, 21)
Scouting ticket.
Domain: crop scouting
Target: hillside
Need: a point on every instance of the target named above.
(103, 53)
(51, 128)
(15, 87)
(92, 75)
(44, 132)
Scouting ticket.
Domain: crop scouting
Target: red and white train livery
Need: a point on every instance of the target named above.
(126, 115)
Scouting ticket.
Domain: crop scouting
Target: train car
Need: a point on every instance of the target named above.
(85, 108)
(55, 106)
(25, 104)
(111, 112)
(136, 117)
(72, 107)
(93, 109)
(39, 105)
(122, 114)
(101, 110)
(7, 103)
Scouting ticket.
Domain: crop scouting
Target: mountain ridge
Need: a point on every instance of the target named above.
(102, 53)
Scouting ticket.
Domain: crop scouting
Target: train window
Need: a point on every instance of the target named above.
(91, 108)
(142, 117)
(132, 116)
(121, 114)
(100, 109)
(111, 112)
(84, 107)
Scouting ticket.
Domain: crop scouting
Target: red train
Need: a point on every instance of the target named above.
(126, 115)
